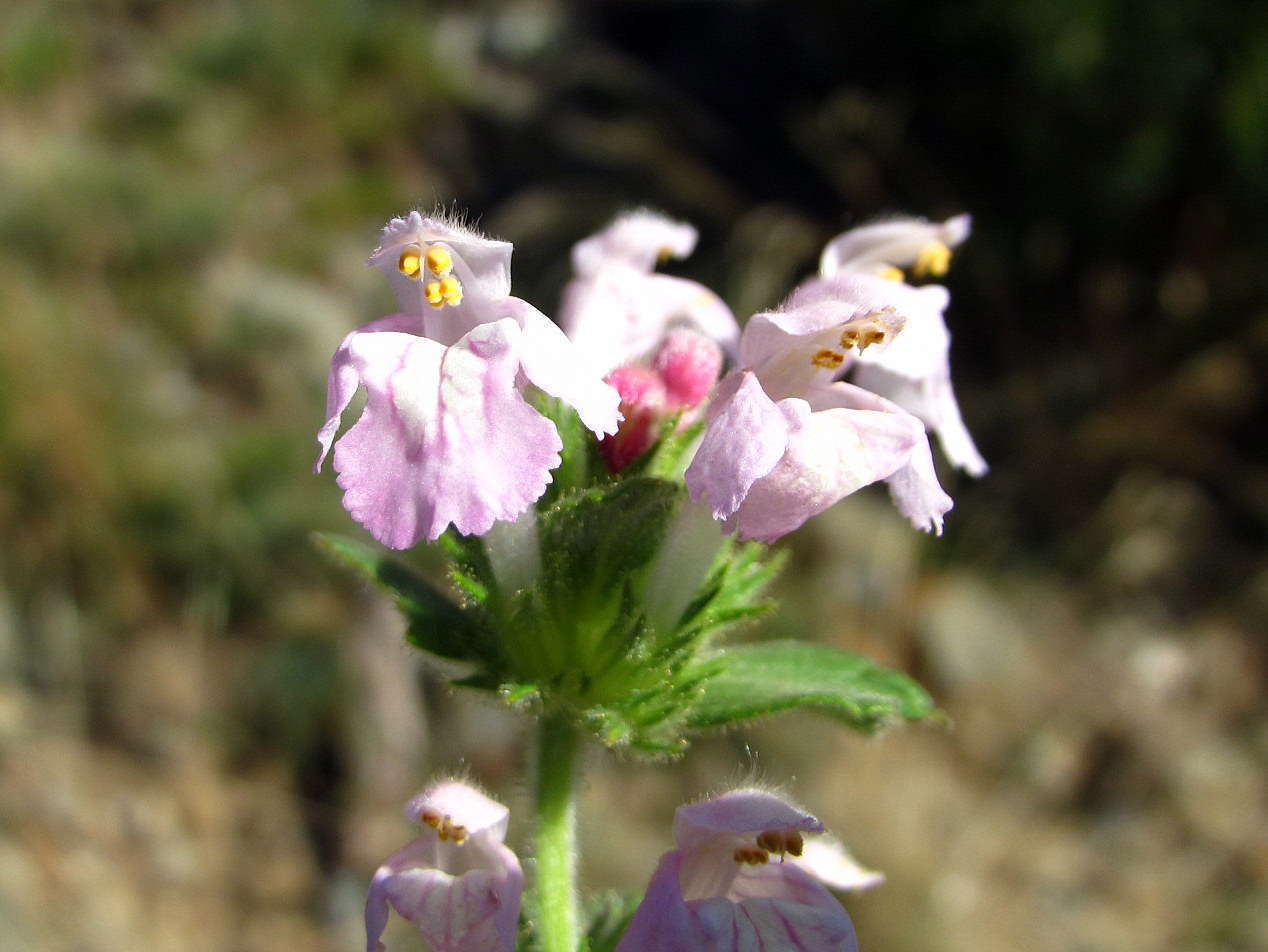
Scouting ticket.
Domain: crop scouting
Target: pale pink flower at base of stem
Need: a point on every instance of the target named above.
(457, 883)
(741, 878)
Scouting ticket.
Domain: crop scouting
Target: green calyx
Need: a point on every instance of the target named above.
(605, 604)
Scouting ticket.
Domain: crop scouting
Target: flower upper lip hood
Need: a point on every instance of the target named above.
(738, 879)
(617, 309)
(457, 882)
(900, 242)
(481, 265)
(639, 239)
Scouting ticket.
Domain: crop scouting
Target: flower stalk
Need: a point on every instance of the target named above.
(556, 868)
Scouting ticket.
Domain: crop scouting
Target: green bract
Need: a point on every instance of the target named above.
(605, 604)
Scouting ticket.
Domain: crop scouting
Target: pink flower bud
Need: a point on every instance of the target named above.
(643, 401)
(689, 364)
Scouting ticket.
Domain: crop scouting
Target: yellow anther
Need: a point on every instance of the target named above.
(849, 338)
(457, 833)
(451, 291)
(431, 818)
(435, 295)
(871, 335)
(777, 841)
(828, 359)
(771, 840)
(890, 273)
(934, 259)
(751, 855)
(439, 261)
(410, 262)
(793, 843)
(664, 254)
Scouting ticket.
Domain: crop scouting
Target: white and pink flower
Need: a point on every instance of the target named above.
(743, 876)
(447, 436)
(458, 883)
(915, 372)
(786, 439)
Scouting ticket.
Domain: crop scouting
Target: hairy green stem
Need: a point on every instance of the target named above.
(556, 836)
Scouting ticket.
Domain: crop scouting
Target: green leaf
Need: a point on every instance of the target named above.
(469, 565)
(733, 591)
(761, 679)
(436, 624)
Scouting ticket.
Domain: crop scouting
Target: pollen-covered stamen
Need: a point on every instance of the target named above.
(451, 291)
(934, 259)
(410, 263)
(781, 842)
(435, 296)
(457, 833)
(828, 359)
(890, 273)
(751, 856)
(879, 327)
(431, 818)
(439, 261)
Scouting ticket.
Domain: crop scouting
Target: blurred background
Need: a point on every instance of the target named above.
(206, 732)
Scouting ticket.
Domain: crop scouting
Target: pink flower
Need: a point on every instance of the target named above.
(741, 879)
(916, 372)
(785, 441)
(617, 310)
(447, 436)
(457, 882)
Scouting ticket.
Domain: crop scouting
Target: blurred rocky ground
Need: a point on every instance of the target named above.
(206, 733)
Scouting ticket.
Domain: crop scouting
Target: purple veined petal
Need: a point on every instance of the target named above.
(619, 314)
(707, 895)
(913, 487)
(445, 436)
(550, 362)
(745, 439)
(897, 242)
(932, 399)
(481, 265)
(662, 922)
(638, 239)
(830, 454)
(457, 883)
(344, 379)
(778, 906)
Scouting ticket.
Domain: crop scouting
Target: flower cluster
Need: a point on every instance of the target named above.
(742, 876)
(448, 437)
(598, 602)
